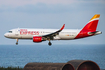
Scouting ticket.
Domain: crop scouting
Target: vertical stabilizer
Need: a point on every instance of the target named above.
(92, 24)
(90, 28)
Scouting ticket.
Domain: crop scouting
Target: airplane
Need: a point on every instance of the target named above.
(39, 35)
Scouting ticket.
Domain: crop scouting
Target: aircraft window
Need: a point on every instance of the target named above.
(10, 31)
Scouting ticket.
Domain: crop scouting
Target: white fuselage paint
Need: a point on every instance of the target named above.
(66, 34)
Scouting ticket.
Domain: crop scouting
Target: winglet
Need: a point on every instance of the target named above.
(62, 27)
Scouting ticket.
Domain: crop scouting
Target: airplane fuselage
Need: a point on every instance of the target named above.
(24, 33)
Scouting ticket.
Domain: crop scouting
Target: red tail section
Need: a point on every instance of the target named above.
(91, 26)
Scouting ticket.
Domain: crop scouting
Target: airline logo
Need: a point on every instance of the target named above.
(26, 32)
(67, 35)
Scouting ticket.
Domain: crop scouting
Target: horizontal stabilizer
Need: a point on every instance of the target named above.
(95, 33)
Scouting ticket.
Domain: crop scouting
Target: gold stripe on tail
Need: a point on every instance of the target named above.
(95, 16)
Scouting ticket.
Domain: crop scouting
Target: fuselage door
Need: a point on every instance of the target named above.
(17, 32)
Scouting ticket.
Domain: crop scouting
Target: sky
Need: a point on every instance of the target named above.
(51, 14)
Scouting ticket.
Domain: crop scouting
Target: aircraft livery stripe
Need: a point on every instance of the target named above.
(94, 17)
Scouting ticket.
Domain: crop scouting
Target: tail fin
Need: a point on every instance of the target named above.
(92, 24)
(90, 28)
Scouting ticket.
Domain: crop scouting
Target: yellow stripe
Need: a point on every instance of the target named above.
(95, 16)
